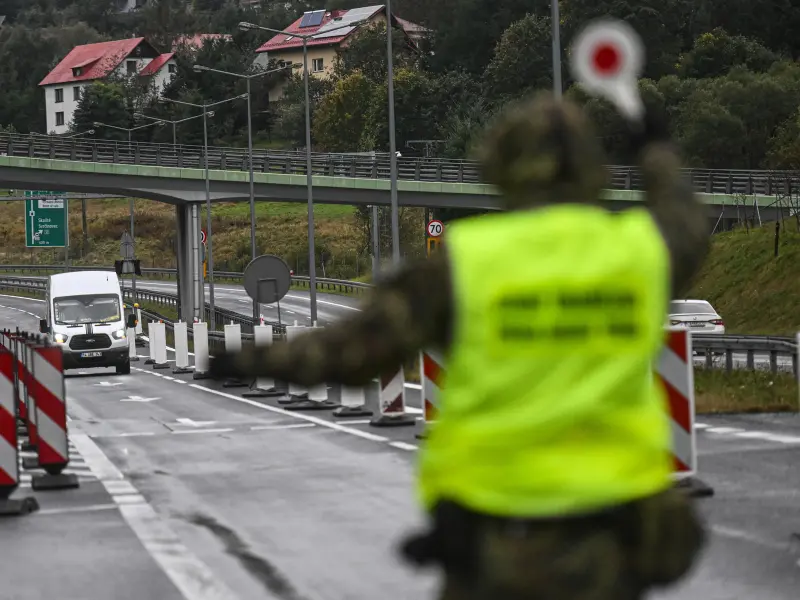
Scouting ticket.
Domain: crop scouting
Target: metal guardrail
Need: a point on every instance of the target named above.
(323, 284)
(732, 181)
(727, 347)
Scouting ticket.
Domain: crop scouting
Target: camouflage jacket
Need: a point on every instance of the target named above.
(412, 307)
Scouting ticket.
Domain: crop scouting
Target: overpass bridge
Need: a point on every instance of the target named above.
(175, 174)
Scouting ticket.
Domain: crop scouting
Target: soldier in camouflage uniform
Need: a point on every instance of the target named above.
(540, 154)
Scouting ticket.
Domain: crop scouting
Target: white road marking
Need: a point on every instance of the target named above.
(218, 430)
(403, 446)
(738, 534)
(724, 430)
(77, 509)
(274, 427)
(191, 576)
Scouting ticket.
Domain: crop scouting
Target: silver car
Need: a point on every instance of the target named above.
(697, 315)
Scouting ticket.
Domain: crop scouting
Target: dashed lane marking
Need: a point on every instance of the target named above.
(187, 572)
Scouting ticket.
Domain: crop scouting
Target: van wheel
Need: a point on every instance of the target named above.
(124, 369)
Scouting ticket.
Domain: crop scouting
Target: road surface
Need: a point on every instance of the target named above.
(191, 491)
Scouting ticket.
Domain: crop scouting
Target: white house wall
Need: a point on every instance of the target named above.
(68, 106)
(163, 77)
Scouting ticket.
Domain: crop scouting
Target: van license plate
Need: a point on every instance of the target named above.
(91, 354)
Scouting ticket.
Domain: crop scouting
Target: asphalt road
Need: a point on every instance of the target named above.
(195, 492)
(295, 306)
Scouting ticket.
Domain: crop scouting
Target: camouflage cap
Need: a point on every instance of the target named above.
(543, 150)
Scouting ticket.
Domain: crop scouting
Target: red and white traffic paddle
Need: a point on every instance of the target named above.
(607, 58)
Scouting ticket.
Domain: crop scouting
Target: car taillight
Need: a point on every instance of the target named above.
(718, 322)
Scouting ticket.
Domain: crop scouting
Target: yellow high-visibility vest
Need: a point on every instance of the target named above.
(550, 406)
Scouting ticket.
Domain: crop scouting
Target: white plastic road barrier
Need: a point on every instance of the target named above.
(297, 393)
(317, 397)
(151, 344)
(263, 386)
(131, 335)
(159, 341)
(24, 377)
(46, 385)
(352, 403)
(138, 319)
(233, 344)
(392, 402)
(181, 331)
(431, 366)
(201, 362)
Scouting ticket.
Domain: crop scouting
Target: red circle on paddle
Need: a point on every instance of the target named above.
(606, 59)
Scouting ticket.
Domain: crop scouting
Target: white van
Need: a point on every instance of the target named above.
(85, 316)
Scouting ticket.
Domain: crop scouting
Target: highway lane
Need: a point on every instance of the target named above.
(322, 504)
(295, 306)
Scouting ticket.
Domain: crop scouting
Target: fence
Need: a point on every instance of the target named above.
(337, 165)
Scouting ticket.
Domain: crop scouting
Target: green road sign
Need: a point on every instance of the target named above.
(46, 220)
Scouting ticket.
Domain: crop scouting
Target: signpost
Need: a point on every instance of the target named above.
(46, 220)
(435, 231)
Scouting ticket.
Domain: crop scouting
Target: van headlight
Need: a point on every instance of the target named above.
(119, 334)
(60, 338)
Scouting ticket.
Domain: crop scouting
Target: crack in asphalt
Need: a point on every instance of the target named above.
(260, 568)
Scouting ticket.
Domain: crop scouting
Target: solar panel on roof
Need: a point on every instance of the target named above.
(312, 18)
(351, 16)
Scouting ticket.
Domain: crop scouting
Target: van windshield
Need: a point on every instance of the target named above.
(80, 310)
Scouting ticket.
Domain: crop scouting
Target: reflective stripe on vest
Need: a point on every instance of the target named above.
(550, 405)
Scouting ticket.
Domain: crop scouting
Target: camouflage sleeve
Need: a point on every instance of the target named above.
(409, 310)
(678, 212)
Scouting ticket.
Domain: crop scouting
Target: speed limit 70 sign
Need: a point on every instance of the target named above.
(435, 229)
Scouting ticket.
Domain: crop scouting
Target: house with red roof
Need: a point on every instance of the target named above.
(134, 57)
(332, 30)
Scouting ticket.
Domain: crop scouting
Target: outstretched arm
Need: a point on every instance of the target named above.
(408, 311)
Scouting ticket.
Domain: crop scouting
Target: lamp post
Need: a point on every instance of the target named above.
(130, 200)
(392, 140)
(312, 271)
(556, 26)
(205, 107)
(173, 123)
(64, 137)
(253, 250)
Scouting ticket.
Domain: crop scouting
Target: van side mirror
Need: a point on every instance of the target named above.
(131, 321)
(43, 327)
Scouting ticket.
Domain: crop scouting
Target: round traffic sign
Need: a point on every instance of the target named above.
(435, 229)
(267, 279)
(203, 236)
(607, 58)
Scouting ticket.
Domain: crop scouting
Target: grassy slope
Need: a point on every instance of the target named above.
(282, 229)
(754, 292)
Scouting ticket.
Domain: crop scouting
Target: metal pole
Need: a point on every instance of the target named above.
(66, 242)
(85, 241)
(555, 22)
(392, 141)
(376, 245)
(133, 239)
(312, 271)
(209, 241)
(174, 135)
(252, 191)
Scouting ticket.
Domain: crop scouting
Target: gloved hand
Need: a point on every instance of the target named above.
(225, 366)
(652, 128)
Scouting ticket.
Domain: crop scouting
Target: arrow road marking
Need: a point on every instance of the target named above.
(138, 399)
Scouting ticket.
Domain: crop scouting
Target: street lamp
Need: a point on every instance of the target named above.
(556, 35)
(205, 107)
(392, 142)
(173, 123)
(130, 200)
(312, 271)
(64, 137)
(202, 69)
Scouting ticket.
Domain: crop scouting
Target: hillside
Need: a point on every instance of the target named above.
(755, 292)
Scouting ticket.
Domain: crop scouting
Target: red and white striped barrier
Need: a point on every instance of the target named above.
(675, 371)
(28, 398)
(9, 450)
(48, 388)
(392, 402)
(432, 372)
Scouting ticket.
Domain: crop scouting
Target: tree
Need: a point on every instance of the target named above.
(784, 147)
(290, 122)
(521, 60)
(105, 103)
(366, 53)
(339, 121)
(716, 52)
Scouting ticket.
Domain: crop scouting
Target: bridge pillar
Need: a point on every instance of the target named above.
(190, 265)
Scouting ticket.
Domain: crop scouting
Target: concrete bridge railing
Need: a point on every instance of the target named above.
(729, 182)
